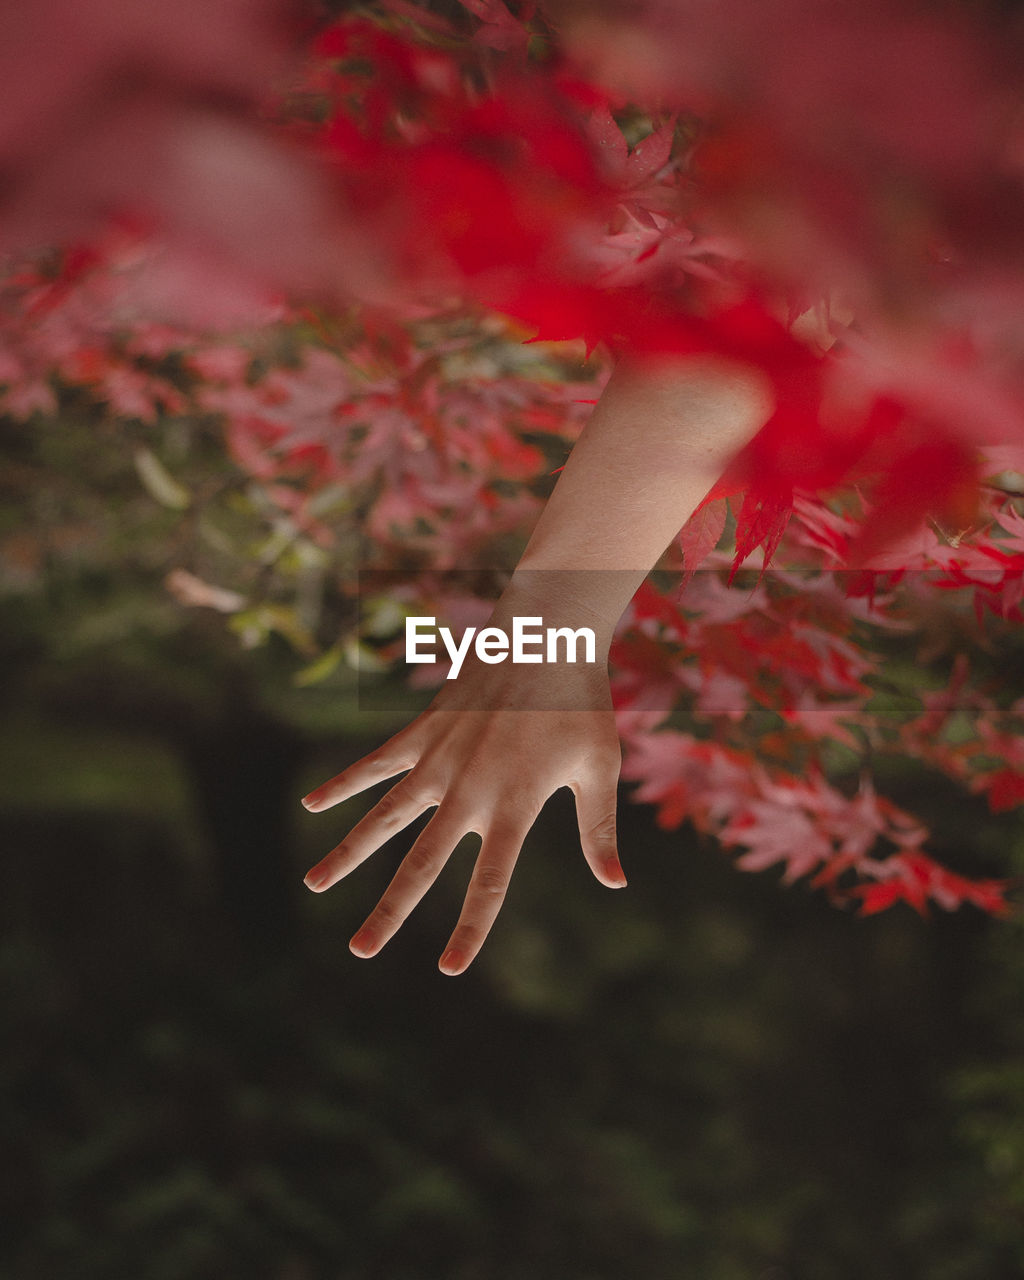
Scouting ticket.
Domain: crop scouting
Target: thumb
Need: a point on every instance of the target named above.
(595, 814)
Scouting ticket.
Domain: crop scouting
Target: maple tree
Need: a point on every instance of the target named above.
(338, 256)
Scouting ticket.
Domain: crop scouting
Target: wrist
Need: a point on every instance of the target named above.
(573, 598)
(543, 647)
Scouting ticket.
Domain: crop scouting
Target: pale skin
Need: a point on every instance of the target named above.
(656, 443)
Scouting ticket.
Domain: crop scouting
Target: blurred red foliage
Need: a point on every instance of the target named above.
(833, 193)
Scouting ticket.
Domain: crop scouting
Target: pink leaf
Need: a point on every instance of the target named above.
(650, 155)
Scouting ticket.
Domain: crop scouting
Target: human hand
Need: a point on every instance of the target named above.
(488, 771)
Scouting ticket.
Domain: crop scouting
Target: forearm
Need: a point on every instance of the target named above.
(656, 443)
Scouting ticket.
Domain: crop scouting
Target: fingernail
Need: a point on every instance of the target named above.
(452, 962)
(310, 801)
(314, 878)
(363, 944)
(613, 870)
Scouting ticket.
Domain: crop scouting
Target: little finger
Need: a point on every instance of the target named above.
(395, 756)
(401, 805)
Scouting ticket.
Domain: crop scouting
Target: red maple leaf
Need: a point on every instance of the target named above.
(1005, 790)
(700, 535)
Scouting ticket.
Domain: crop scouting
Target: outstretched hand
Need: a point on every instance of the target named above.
(488, 771)
(497, 741)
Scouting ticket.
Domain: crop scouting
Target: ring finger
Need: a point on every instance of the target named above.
(419, 869)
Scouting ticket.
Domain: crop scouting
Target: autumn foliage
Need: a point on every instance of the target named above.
(378, 249)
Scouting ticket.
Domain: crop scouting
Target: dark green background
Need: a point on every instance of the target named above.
(702, 1076)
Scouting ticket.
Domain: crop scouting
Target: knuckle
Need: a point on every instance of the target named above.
(461, 802)
(492, 881)
(388, 806)
(468, 938)
(365, 766)
(421, 859)
(456, 794)
(341, 853)
(603, 831)
(386, 913)
(505, 833)
(466, 784)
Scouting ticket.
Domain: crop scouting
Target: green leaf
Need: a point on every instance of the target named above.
(361, 657)
(254, 626)
(158, 481)
(319, 670)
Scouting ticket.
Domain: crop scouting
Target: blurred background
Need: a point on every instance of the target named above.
(706, 1076)
(700, 1076)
